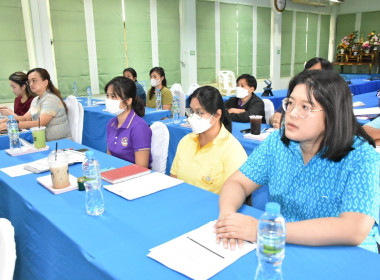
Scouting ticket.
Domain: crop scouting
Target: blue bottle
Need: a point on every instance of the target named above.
(14, 134)
(89, 96)
(93, 184)
(75, 89)
(176, 111)
(271, 234)
(158, 100)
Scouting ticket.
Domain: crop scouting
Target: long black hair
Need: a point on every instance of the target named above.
(211, 100)
(21, 79)
(161, 72)
(331, 91)
(126, 88)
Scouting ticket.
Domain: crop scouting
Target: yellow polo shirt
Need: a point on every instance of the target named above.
(166, 95)
(208, 167)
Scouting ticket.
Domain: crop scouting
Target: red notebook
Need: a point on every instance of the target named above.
(124, 173)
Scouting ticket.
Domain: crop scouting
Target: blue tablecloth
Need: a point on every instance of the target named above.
(177, 132)
(4, 139)
(360, 86)
(96, 119)
(56, 239)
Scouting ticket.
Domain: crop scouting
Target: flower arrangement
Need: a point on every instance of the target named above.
(373, 39)
(344, 43)
(352, 36)
(366, 45)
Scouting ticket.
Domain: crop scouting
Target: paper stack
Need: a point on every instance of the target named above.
(196, 253)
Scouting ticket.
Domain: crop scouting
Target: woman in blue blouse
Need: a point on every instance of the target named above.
(321, 167)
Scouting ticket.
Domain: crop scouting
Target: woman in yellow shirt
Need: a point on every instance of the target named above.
(158, 82)
(209, 155)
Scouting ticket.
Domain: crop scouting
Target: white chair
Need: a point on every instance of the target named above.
(227, 82)
(268, 108)
(7, 250)
(177, 90)
(159, 146)
(175, 87)
(75, 116)
(192, 88)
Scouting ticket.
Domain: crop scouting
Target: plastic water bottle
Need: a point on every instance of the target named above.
(75, 89)
(271, 235)
(176, 115)
(14, 134)
(93, 184)
(158, 100)
(89, 96)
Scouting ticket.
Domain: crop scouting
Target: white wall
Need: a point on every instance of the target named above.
(358, 6)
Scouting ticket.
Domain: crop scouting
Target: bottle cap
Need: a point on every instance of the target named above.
(10, 117)
(272, 207)
(89, 153)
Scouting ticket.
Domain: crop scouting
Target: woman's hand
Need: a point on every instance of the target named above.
(235, 111)
(6, 111)
(235, 227)
(3, 126)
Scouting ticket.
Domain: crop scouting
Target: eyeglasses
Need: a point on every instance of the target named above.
(197, 115)
(303, 109)
(32, 81)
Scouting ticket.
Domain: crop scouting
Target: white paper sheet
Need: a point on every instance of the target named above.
(143, 185)
(367, 111)
(16, 170)
(196, 253)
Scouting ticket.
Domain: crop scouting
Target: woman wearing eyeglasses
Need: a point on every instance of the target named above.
(321, 168)
(48, 107)
(209, 155)
(23, 94)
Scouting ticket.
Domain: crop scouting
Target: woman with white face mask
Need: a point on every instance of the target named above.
(158, 83)
(246, 102)
(209, 155)
(128, 135)
(24, 96)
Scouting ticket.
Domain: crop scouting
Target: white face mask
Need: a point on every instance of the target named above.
(199, 125)
(154, 82)
(241, 92)
(113, 107)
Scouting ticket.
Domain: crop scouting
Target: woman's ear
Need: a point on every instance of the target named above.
(218, 114)
(128, 102)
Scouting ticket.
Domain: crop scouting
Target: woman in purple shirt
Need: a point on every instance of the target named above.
(128, 135)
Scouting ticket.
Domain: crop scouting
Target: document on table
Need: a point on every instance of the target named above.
(196, 254)
(42, 165)
(16, 170)
(143, 185)
(367, 111)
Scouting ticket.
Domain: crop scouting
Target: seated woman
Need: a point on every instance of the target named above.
(316, 63)
(158, 82)
(373, 130)
(128, 135)
(47, 109)
(130, 73)
(209, 155)
(320, 167)
(23, 94)
(246, 102)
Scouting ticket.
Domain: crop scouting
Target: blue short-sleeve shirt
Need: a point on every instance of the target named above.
(322, 188)
(375, 123)
(132, 136)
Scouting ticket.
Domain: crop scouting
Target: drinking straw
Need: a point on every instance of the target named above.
(56, 148)
(38, 122)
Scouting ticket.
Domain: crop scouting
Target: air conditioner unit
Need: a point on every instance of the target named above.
(318, 3)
